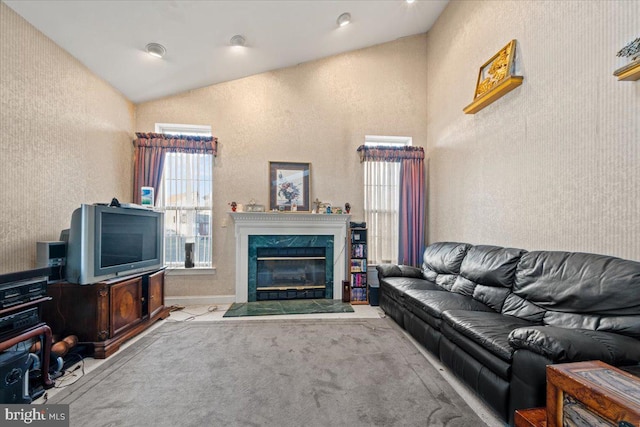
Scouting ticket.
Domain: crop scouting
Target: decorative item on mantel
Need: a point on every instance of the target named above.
(253, 207)
(347, 207)
(318, 204)
(234, 206)
(495, 79)
(631, 71)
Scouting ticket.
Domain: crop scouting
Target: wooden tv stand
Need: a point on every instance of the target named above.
(107, 313)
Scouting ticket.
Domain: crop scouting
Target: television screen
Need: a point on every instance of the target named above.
(127, 239)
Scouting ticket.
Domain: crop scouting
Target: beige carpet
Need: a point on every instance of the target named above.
(262, 372)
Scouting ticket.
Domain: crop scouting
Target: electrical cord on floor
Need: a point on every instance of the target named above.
(192, 316)
(70, 374)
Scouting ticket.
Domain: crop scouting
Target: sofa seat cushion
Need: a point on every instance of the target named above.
(394, 288)
(490, 330)
(434, 303)
(399, 285)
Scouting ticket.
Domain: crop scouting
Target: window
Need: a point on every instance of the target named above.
(382, 201)
(185, 196)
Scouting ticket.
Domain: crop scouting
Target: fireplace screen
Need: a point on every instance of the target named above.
(287, 273)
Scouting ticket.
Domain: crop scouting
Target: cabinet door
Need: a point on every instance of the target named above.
(156, 293)
(126, 305)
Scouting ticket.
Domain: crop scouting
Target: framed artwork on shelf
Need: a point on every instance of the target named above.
(495, 70)
(496, 78)
(289, 185)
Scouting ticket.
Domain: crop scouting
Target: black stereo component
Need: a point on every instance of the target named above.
(22, 291)
(19, 320)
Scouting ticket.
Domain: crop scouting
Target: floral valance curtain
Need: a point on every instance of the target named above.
(150, 151)
(178, 143)
(389, 154)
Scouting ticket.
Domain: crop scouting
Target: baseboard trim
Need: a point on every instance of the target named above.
(199, 300)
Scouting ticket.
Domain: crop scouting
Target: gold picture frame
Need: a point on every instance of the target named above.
(289, 185)
(496, 69)
(495, 78)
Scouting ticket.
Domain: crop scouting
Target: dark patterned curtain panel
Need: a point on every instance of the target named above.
(150, 150)
(412, 215)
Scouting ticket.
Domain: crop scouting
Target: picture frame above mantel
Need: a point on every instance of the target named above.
(496, 78)
(289, 185)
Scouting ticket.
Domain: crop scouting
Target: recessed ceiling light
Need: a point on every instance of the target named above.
(344, 19)
(237, 40)
(156, 49)
(410, 1)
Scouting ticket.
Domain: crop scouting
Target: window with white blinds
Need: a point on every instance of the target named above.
(186, 195)
(381, 209)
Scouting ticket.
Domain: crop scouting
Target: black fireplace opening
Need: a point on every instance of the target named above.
(291, 273)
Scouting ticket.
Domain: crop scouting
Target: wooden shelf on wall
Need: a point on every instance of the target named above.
(494, 94)
(629, 73)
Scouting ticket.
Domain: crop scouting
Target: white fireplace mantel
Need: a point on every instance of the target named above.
(263, 223)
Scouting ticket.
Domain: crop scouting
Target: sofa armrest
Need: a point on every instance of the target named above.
(395, 270)
(574, 345)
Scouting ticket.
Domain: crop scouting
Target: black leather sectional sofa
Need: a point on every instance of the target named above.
(497, 316)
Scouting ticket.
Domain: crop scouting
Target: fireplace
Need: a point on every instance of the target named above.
(290, 267)
(290, 273)
(284, 256)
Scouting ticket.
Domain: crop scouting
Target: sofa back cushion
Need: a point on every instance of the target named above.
(578, 290)
(441, 262)
(487, 274)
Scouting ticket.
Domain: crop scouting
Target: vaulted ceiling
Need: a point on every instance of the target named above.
(109, 37)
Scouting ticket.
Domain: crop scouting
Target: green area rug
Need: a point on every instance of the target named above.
(299, 306)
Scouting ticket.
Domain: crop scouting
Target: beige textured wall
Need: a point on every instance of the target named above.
(65, 139)
(555, 164)
(316, 112)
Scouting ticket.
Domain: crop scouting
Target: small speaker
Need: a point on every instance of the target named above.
(188, 255)
(54, 256)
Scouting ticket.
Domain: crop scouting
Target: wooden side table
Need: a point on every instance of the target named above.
(592, 394)
(586, 394)
(536, 417)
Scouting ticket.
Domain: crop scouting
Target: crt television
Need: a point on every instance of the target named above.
(105, 242)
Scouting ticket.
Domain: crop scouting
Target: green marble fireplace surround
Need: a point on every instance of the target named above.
(257, 242)
(255, 230)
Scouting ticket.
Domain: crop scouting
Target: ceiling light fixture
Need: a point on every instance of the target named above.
(237, 40)
(344, 19)
(410, 1)
(156, 49)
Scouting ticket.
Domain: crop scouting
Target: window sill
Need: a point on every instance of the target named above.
(196, 271)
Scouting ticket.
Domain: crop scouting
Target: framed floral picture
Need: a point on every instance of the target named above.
(289, 186)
